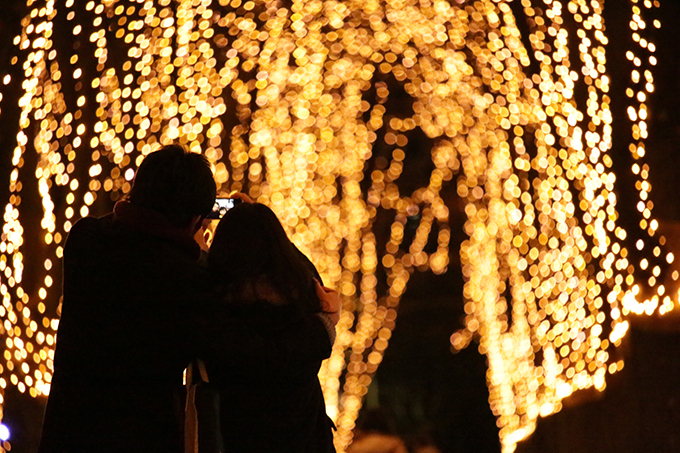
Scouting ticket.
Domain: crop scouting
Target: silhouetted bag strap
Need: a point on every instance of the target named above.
(202, 413)
(190, 413)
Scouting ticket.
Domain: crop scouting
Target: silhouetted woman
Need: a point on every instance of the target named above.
(265, 281)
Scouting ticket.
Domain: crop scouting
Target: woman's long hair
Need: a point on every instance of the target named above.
(250, 247)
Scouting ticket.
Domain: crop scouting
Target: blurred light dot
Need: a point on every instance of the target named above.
(4, 432)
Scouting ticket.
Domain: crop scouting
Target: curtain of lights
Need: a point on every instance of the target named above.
(292, 100)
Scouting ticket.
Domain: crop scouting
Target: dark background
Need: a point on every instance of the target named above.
(425, 388)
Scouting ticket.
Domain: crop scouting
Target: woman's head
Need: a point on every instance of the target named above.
(251, 246)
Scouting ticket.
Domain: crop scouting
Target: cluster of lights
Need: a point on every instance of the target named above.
(650, 295)
(558, 255)
(27, 328)
(568, 309)
(299, 95)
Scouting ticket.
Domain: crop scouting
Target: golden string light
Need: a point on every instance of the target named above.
(650, 296)
(567, 309)
(293, 102)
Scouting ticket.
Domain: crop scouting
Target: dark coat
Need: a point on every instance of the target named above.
(134, 314)
(273, 407)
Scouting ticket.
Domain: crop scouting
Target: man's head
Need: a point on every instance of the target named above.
(176, 183)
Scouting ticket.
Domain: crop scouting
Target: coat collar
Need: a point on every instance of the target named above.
(153, 223)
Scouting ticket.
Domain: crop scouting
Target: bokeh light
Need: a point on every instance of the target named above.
(4, 432)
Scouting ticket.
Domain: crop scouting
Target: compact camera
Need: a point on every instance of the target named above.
(222, 205)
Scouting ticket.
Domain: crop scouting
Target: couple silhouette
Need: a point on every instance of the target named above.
(141, 301)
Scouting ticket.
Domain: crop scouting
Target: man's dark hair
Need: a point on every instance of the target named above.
(176, 183)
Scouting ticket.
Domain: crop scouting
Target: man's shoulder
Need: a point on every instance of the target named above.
(90, 224)
(87, 226)
(87, 229)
